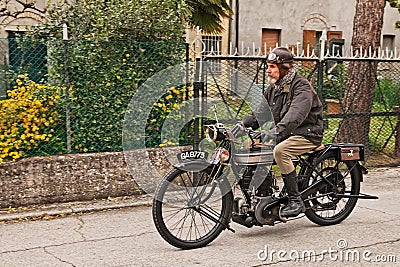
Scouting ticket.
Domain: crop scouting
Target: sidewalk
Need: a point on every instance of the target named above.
(49, 211)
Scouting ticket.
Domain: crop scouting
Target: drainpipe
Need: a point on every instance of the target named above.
(230, 26)
(237, 25)
(235, 74)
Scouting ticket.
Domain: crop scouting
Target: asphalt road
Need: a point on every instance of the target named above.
(127, 237)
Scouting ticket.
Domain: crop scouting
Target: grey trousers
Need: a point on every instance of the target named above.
(290, 148)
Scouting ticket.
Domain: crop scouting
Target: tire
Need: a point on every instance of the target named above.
(181, 210)
(345, 177)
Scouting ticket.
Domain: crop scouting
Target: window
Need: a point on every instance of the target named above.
(212, 46)
(269, 39)
(388, 42)
(3, 67)
(27, 57)
(311, 40)
(212, 43)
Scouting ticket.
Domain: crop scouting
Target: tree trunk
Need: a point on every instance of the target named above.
(357, 103)
(359, 92)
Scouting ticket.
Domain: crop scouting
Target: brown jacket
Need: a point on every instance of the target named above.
(296, 110)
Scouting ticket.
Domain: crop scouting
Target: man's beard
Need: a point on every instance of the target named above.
(271, 80)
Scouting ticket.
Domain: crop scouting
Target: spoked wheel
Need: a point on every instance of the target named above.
(332, 203)
(190, 211)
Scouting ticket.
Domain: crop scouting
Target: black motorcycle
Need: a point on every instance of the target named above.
(201, 195)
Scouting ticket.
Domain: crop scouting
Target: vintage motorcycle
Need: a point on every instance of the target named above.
(200, 196)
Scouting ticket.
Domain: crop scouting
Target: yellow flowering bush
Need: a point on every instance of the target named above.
(27, 118)
(170, 101)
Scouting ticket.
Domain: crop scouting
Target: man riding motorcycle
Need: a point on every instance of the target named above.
(297, 113)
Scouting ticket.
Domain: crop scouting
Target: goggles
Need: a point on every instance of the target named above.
(273, 57)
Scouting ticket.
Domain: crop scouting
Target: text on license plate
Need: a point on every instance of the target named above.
(192, 154)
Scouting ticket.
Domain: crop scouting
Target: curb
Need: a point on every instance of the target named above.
(48, 211)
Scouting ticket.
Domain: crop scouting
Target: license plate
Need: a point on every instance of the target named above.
(350, 153)
(192, 154)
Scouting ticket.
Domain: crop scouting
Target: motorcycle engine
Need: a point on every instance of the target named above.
(273, 211)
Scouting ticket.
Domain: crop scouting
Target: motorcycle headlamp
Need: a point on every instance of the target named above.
(212, 133)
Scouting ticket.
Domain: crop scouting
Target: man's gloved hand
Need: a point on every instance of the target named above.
(239, 130)
(266, 136)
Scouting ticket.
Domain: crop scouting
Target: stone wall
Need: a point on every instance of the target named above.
(77, 177)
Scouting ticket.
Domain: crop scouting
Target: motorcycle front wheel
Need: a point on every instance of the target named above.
(333, 202)
(189, 209)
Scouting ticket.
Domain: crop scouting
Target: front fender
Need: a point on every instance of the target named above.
(192, 165)
(201, 165)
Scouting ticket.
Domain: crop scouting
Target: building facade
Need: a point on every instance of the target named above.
(17, 15)
(300, 24)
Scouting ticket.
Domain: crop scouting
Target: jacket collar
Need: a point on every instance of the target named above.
(283, 85)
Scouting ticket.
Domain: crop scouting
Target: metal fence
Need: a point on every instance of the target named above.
(329, 78)
(71, 96)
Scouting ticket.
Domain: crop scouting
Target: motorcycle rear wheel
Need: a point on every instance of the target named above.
(326, 208)
(189, 211)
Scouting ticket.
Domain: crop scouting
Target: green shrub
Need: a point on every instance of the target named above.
(387, 93)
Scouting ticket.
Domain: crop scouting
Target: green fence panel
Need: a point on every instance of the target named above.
(94, 82)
